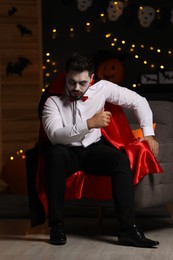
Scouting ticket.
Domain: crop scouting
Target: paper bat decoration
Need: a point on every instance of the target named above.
(18, 67)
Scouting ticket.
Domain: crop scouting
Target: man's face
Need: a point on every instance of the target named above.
(78, 82)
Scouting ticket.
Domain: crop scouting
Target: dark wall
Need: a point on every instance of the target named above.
(62, 14)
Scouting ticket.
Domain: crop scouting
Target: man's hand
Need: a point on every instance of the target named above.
(99, 120)
(153, 144)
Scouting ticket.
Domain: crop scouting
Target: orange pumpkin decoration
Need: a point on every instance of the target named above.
(110, 69)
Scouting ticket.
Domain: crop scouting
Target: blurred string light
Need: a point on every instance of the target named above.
(139, 51)
(49, 69)
(102, 17)
(72, 32)
(120, 45)
(20, 153)
(142, 53)
(88, 26)
(54, 33)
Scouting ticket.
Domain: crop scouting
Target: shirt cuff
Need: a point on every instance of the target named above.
(148, 131)
(83, 128)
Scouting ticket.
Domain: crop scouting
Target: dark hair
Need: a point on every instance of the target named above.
(80, 62)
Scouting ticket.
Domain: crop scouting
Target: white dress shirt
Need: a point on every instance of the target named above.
(65, 122)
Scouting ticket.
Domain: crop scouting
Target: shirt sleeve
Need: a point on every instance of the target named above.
(130, 99)
(56, 131)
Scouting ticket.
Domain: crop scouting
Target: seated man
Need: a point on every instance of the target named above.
(72, 122)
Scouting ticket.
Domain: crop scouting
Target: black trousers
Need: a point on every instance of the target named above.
(62, 161)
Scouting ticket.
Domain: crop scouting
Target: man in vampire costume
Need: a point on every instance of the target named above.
(84, 130)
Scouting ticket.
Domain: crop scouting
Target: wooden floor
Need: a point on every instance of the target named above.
(86, 241)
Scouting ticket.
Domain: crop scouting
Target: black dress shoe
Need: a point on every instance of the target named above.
(135, 237)
(57, 234)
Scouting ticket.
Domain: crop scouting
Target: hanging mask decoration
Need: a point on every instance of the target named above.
(146, 15)
(171, 17)
(115, 10)
(83, 5)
